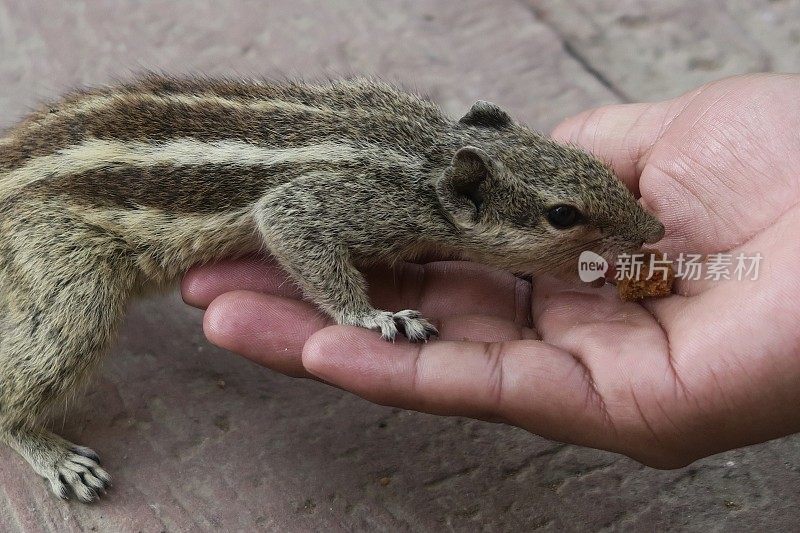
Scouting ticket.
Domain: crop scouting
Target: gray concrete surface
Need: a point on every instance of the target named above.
(200, 440)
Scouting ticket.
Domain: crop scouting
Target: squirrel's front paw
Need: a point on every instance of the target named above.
(413, 326)
(408, 322)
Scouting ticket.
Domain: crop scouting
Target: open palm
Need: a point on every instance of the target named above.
(666, 382)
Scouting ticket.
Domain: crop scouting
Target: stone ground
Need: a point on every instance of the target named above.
(198, 439)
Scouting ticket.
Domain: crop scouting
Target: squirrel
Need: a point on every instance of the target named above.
(117, 190)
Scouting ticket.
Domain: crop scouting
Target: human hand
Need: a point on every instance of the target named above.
(664, 382)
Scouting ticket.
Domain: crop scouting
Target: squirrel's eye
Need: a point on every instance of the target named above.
(564, 216)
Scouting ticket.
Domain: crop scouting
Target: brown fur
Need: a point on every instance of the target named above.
(117, 189)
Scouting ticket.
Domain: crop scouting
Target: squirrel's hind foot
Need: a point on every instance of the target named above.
(70, 469)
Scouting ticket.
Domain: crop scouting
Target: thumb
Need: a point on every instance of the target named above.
(527, 383)
(621, 135)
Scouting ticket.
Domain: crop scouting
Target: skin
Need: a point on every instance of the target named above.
(665, 382)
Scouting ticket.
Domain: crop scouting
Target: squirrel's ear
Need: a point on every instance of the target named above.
(463, 185)
(486, 114)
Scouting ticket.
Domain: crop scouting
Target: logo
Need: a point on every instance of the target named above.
(591, 266)
(692, 267)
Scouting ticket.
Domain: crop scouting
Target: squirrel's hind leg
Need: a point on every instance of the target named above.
(63, 289)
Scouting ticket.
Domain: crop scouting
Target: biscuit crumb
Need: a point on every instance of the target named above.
(655, 284)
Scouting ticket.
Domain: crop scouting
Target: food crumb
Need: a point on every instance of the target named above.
(648, 284)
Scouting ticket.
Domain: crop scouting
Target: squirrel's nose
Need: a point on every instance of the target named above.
(656, 235)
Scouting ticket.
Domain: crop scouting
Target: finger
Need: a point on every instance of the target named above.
(272, 330)
(482, 328)
(203, 283)
(527, 382)
(269, 330)
(451, 288)
(438, 289)
(621, 135)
